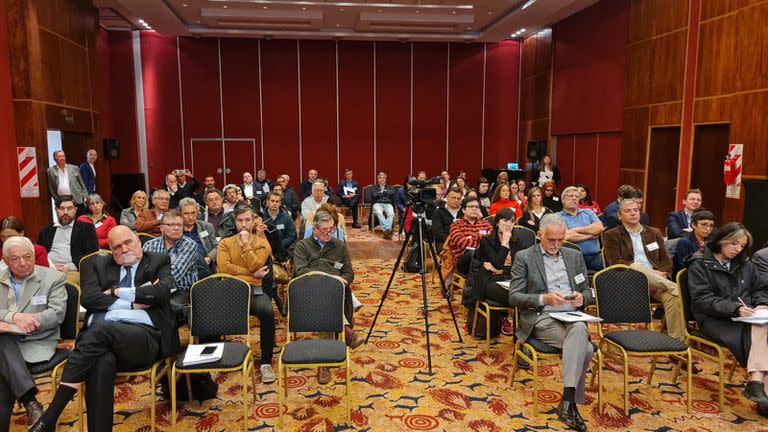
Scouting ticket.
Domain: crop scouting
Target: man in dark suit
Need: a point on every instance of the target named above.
(67, 240)
(306, 185)
(129, 327)
(547, 278)
(349, 192)
(88, 171)
(679, 222)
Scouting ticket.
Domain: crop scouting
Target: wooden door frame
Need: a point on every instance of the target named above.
(693, 144)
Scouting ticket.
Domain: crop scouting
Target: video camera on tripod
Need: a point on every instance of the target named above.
(419, 194)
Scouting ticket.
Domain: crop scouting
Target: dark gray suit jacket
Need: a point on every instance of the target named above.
(529, 281)
(76, 183)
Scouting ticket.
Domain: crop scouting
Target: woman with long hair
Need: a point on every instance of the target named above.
(138, 205)
(484, 193)
(534, 210)
(547, 172)
(702, 225)
(550, 198)
(502, 198)
(514, 193)
(12, 226)
(725, 284)
(99, 218)
(585, 200)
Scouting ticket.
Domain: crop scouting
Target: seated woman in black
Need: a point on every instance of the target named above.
(702, 223)
(725, 284)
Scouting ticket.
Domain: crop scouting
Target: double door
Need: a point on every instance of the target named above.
(224, 159)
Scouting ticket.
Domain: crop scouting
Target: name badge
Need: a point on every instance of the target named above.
(483, 232)
(39, 300)
(652, 246)
(98, 225)
(338, 265)
(203, 234)
(280, 226)
(579, 278)
(555, 199)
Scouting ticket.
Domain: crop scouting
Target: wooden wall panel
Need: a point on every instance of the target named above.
(635, 138)
(648, 18)
(75, 75)
(535, 90)
(632, 177)
(50, 56)
(666, 114)
(668, 66)
(711, 8)
(638, 78)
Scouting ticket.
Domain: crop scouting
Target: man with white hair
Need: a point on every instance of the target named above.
(33, 302)
(546, 278)
(313, 202)
(65, 179)
(149, 221)
(584, 228)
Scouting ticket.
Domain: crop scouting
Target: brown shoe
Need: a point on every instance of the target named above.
(323, 375)
(34, 412)
(352, 339)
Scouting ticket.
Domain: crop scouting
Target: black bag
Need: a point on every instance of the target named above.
(203, 387)
(413, 262)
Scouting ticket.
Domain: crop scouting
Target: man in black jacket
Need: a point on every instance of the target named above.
(383, 198)
(67, 240)
(129, 327)
(445, 215)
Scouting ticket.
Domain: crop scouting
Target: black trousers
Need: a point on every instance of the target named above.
(15, 379)
(496, 292)
(100, 352)
(261, 307)
(462, 264)
(352, 204)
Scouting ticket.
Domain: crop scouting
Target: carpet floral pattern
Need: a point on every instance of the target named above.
(469, 390)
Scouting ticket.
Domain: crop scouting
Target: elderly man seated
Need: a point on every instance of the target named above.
(583, 228)
(315, 200)
(202, 233)
(33, 302)
(149, 221)
(547, 278)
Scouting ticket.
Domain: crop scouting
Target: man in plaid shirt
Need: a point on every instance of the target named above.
(465, 233)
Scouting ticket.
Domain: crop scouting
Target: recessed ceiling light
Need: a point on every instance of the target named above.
(265, 7)
(303, 8)
(185, 5)
(338, 25)
(469, 28)
(522, 30)
(453, 12)
(342, 9)
(141, 21)
(418, 11)
(490, 13)
(379, 10)
(225, 6)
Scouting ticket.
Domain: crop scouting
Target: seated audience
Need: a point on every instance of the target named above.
(502, 198)
(534, 210)
(521, 189)
(622, 193)
(202, 233)
(612, 221)
(465, 233)
(245, 255)
(214, 210)
(483, 211)
(67, 240)
(184, 260)
(305, 189)
(542, 282)
(679, 222)
(138, 205)
(445, 215)
(128, 327)
(247, 186)
(516, 194)
(461, 185)
(12, 226)
(338, 221)
(484, 193)
(546, 172)
(642, 248)
(585, 199)
(290, 199)
(210, 183)
(501, 178)
(724, 284)
(584, 228)
(233, 197)
(187, 184)
(326, 254)
(149, 221)
(262, 185)
(444, 186)
(172, 186)
(349, 192)
(315, 200)
(39, 321)
(703, 225)
(401, 203)
(383, 199)
(278, 219)
(550, 198)
(98, 218)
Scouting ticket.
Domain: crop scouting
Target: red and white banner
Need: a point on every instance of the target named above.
(27, 159)
(734, 162)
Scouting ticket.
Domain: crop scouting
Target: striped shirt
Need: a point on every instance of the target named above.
(466, 235)
(183, 259)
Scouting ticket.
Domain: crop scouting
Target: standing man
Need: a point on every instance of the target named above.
(187, 184)
(349, 192)
(67, 240)
(306, 185)
(65, 179)
(88, 170)
(22, 286)
(679, 222)
(583, 228)
(383, 199)
(129, 326)
(547, 278)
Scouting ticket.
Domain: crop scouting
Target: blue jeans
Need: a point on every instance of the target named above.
(593, 262)
(385, 213)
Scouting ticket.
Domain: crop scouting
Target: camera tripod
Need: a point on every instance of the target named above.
(420, 221)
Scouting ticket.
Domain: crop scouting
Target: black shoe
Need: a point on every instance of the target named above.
(522, 364)
(762, 410)
(41, 426)
(356, 225)
(34, 411)
(755, 391)
(569, 415)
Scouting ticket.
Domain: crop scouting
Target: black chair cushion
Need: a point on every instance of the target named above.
(59, 356)
(542, 347)
(314, 351)
(645, 341)
(234, 355)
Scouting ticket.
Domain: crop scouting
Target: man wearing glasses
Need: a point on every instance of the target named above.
(465, 233)
(150, 220)
(583, 228)
(183, 253)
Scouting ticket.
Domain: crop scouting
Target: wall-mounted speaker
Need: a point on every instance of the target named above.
(536, 150)
(111, 149)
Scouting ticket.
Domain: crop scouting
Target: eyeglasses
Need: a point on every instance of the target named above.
(706, 225)
(473, 206)
(174, 225)
(327, 230)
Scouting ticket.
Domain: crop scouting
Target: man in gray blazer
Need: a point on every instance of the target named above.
(547, 278)
(200, 231)
(65, 179)
(33, 302)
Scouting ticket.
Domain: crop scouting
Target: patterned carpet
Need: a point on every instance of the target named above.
(469, 390)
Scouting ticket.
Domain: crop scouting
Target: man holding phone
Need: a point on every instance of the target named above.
(547, 278)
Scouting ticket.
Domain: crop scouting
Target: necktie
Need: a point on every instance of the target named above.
(127, 280)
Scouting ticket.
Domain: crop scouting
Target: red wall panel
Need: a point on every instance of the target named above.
(565, 159)
(588, 70)
(318, 108)
(502, 88)
(586, 154)
(393, 110)
(608, 155)
(591, 159)
(430, 74)
(465, 121)
(240, 97)
(279, 76)
(9, 181)
(123, 101)
(356, 109)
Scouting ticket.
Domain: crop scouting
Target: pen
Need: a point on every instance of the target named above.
(573, 314)
(744, 304)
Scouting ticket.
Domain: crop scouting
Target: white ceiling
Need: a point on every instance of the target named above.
(405, 20)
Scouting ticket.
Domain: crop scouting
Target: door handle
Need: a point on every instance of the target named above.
(229, 171)
(219, 171)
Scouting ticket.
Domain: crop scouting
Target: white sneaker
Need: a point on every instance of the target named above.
(356, 305)
(267, 374)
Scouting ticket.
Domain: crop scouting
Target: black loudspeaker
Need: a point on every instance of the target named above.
(536, 150)
(755, 209)
(111, 149)
(123, 187)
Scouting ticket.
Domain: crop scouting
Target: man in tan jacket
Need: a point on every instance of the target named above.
(245, 255)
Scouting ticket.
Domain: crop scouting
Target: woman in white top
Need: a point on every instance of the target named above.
(547, 171)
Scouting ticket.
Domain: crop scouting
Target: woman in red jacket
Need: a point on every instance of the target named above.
(103, 222)
(13, 227)
(502, 198)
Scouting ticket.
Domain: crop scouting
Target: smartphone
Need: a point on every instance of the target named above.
(208, 350)
(570, 297)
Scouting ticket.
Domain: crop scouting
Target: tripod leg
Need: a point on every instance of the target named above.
(442, 284)
(423, 272)
(389, 284)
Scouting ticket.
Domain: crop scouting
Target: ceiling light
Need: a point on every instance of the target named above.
(379, 10)
(225, 6)
(521, 30)
(185, 5)
(141, 21)
(303, 8)
(453, 12)
(490, 13)
(528, 3)
(418, 11)
(265, 7)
